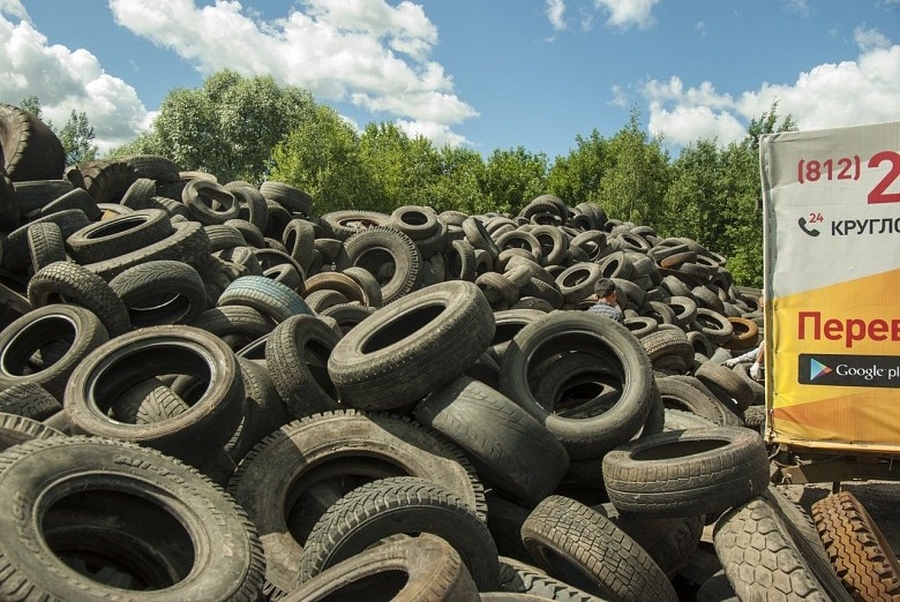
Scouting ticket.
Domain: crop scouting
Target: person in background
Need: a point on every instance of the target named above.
(756, 355)
(606, 302)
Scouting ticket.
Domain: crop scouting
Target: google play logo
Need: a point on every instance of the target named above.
(817, 369)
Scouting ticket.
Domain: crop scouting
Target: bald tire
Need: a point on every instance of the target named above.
(394, 505)
(687, 473)
(508, 447)
(859, 552)
(411, 569)
(582, 547)
(759, 557)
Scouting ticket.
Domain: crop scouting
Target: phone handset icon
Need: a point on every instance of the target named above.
(809, 231)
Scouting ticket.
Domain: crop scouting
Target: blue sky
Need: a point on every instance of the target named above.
(487, 74)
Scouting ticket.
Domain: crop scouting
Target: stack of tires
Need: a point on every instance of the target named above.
(208, 392)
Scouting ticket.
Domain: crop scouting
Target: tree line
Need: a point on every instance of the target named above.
(253, 129)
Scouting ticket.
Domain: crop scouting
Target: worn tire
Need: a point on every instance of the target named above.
(88, 504)
(582, 547)
(687, 473)
(508, 447)
(409, 348)
(410, 505)
(271, 480)
(160, 292)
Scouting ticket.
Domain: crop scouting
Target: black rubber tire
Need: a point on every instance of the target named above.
(713, 324)
(335, 281)
(109, 238)
(70, 491)
(16, 256)
(68, 282)
(114, 367)
(147, 402)
(31, 151)
(518, 577)
(726, 415)
(252, 203)
(860, 554)
(581, 546)
(409, 505)
(670, 541)
(264, 411)
(270, 481)
(409, 570)
(346, 223)
(759, 557)
(669, 348)
(613, 347)
(188, 243)
(240, 322)
(154, 167)
(267, 296)
(160, 292)
(297, 352)
(291, 198)
(45, 245)
(728, 381)
(79, 328)
(298, 237)
(29, 400)
(413, 346)
(348, 315)
(417, 222)
(679, 395)
(508, 447)
(209, 203)
(391, 256)
(687, 473)
(15, 429)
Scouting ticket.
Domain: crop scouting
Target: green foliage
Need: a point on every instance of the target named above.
(76, 136)
(633, 186)
(321, 156)
(228, 127)
(576, 177)
(511, 178)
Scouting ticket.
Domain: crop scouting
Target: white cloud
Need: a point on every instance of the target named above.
(368, 52)
(866, 90)
(65, 80)
(625, 13)
(700, 28)
(14, 8)
(439, 133)
(556, 10)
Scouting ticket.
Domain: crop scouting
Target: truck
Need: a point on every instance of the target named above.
(831, 287)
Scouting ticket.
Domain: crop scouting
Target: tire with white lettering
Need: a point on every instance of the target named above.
(61, 544)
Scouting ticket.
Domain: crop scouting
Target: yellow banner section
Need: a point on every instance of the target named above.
(839, 334)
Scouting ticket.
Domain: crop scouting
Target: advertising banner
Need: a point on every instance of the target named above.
(831, 201)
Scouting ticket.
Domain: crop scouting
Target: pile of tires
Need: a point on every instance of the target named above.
(209, 392)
